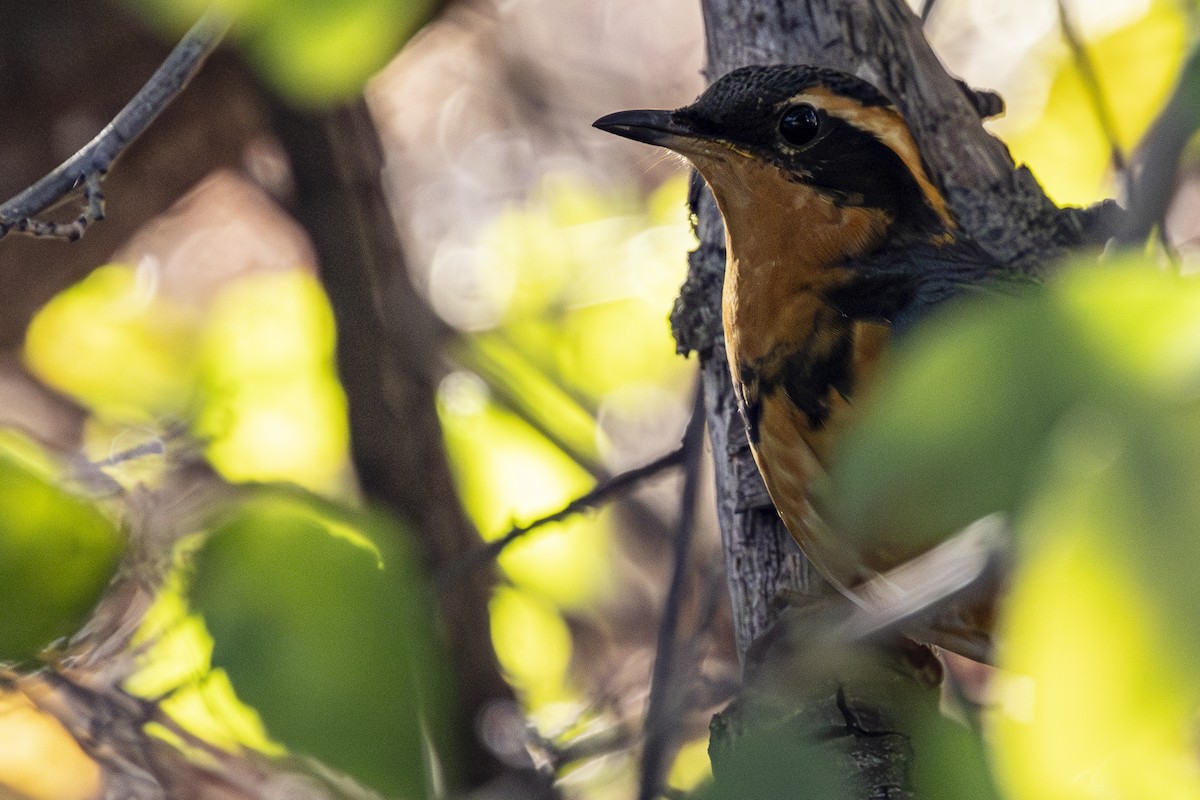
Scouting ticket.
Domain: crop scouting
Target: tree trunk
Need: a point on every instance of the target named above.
(1001, 207)
(389, 348)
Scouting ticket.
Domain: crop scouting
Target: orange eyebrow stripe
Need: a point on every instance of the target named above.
(888, 126)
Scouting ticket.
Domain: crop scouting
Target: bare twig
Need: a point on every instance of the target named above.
(1091, 82)
(662, 708)
(603, 493)
(88, 166)
(927, 10)
(614, 739)
(530, 407)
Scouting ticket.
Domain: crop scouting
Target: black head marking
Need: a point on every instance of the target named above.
(752, 109)
(736, 102)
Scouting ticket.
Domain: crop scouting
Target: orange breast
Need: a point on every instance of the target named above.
(791, 454)
(786, 246)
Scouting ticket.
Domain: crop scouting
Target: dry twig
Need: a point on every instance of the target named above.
(603, 493)
(1091, 81)
(662, 710)
(88, 167)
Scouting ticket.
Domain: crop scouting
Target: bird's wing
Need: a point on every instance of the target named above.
(901, 285)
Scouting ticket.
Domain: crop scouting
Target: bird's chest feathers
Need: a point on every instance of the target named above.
(787, 247)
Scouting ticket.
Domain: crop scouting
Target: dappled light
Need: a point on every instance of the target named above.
(254, 374)
(367, 461)
(112, 343)
(533, 645)
(1137, 65)
(1078, 630)
(272, 407)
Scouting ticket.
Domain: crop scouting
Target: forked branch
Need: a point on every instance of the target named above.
(87, 168)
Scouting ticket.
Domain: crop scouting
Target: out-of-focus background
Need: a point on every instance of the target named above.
(192, 320)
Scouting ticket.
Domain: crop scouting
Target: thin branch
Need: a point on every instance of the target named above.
(88, 166)
(1156, 160)
(604, 492)
(512, 398)
(1091, 82)
(614, 739)
(662, 708)
(927, 10)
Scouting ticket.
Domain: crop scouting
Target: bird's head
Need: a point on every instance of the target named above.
(797, 136)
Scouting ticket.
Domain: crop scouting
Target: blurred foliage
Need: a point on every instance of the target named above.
(272, 405)
(1073, 410)
(592, 278)
(692, 766)
(57, 553)
(1136, 67)
(111, 342)
(507, 472)
(320, 619)
(175, 668)
(1101, 701)
(776, 762)
(314, 52)
(251, 375)
(819, 713)
(583, 285)
(254, 373)
(316, 616)
(532, 643)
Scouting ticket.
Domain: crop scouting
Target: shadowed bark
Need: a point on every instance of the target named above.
(389, 349)
(1000, 206)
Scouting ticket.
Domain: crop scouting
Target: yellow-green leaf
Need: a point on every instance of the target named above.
(323, 625)
(57, 554)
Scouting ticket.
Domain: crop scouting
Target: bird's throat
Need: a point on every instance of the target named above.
(788, 248)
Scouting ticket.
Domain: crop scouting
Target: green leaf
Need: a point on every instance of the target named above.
(776, 762)
(948, 432)
(57, 554)
(323, 625)
(1074, 410)
(969, 403)
(1099, 691)
(789, 736)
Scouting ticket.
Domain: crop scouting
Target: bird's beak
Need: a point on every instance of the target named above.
(662, 128)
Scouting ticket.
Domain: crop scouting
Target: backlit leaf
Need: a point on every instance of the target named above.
(57, 554)
(323, 625)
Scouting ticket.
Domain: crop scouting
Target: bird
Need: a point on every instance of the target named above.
(837, 240)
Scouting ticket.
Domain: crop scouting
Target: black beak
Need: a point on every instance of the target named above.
(663, 128)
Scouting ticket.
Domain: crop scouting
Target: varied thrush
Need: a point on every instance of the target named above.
(835, 237)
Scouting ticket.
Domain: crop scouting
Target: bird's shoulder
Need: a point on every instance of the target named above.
(906, 279)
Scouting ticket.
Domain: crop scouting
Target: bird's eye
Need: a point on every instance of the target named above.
(799, 124)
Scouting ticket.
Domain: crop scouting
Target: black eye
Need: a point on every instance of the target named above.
(799, 124)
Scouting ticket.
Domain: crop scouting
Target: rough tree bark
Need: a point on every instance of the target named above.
(1000, 206)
